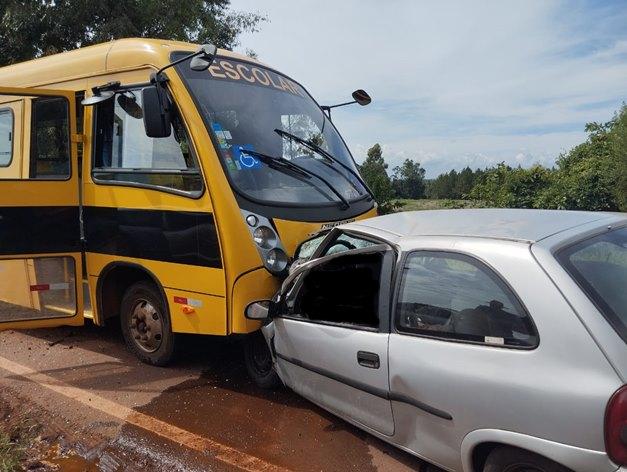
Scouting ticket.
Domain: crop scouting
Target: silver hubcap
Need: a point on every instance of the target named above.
(146, 326)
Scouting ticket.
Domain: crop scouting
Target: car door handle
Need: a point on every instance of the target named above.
(368, 359)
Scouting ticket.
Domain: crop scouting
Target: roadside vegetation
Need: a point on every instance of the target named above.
(591, 176)
(10, 454)
(436, 204)
(18, 437)
(30, 29)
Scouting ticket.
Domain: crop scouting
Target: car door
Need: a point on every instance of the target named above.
(461, 338)
(331, 337)
(40, 249)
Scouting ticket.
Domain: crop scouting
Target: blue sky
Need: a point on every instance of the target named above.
(453, 83)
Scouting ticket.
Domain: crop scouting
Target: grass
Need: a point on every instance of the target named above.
(18, 436)
(11, 454)
(429, 204)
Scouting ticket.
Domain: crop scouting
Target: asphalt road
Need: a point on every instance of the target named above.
(202, 413)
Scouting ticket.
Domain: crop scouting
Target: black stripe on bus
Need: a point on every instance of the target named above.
(39, 230)
(377, 392)
(161, 235)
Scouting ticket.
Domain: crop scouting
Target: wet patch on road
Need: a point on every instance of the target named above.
(278, 426)
(203, 404)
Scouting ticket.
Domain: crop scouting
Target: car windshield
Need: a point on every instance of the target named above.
(599, 266)
(244, 104)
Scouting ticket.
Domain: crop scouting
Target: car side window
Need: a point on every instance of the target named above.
(343, 290)
(448, 295)
(124, 154)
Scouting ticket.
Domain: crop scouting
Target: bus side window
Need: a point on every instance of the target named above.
(125, 155)
(50, 147)
(6, 137)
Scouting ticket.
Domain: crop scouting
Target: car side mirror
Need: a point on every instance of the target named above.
(259, 310)
(157, 121)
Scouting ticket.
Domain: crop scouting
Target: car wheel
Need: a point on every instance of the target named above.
(259, 362)
(511, 459)
(146, 324)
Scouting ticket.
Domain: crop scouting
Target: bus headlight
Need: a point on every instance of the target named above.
(268, 243)
(264, 237)
(276, 260)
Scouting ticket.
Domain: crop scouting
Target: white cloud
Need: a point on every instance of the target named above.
(454, 82)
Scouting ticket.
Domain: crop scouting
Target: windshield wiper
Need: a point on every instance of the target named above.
(282, 164)
(330, 158)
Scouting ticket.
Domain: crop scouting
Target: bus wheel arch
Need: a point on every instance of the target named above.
(113, 282)
(133, 295)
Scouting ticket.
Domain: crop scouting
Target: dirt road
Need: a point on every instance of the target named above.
(113, 413)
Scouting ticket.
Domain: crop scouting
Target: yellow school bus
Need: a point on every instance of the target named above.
(160, 184)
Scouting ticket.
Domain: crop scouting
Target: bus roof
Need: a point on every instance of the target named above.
(121, 54)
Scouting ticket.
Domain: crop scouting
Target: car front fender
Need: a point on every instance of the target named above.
(268, 334)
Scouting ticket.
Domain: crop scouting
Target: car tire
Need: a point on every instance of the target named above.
(259, 362)
(146, 325)
(511, 459)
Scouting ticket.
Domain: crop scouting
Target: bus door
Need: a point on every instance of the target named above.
(40, 246)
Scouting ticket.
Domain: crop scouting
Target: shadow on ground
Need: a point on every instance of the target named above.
(220, 402)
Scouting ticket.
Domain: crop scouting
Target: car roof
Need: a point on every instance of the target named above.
(497, 223)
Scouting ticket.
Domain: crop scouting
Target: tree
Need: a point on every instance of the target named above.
(33, 28)
(408, 180)
(503, 186)
(442, 186)
(592, 175)
(619, 145)
(465, 182)
(374, 173)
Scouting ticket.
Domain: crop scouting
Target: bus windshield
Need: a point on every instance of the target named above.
(250, 107)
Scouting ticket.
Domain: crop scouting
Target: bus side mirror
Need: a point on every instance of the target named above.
(156, 118)
(207, 52)
(361, 97)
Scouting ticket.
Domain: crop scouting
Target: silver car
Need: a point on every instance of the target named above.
(478, 340)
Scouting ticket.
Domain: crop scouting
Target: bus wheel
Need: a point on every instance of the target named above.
(259, 361)
(146, 325)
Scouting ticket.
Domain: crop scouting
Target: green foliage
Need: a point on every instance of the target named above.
(435, 204)
(591, 176)
(33, 28)
(453, 184)
(374, 173)
(503, 186)
(10, 454)
(408, 180)
(588, 176)
(619, 148)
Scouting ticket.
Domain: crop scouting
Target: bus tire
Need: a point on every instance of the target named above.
(259, 362)
(146, 324)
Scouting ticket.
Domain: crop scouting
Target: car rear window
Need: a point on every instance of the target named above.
(599, 266)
